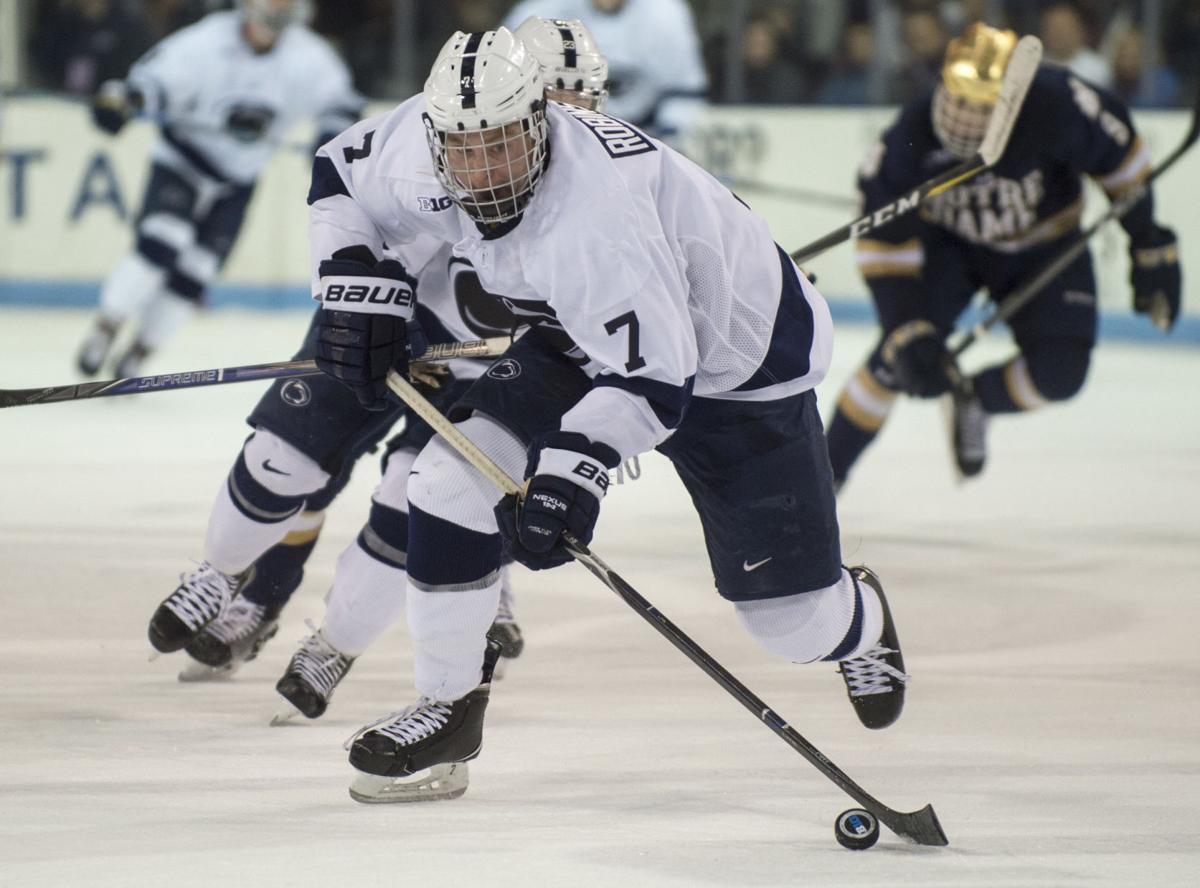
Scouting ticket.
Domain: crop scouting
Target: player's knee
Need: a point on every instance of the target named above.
(1058, 370)
(280, 467)
(385, 536)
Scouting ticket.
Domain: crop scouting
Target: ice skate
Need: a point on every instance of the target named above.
(130, 363)
(94, 350)
(968, 430)
(313, 673)
(202, 595)
(506, 633)
(875, 681)
(229, 641)
(420, 753)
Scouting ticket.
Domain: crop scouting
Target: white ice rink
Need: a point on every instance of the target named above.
(1050, 614)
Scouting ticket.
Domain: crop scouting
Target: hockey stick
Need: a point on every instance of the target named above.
(787, 192)
(1017, 300)
(478, 348)
(1017, 78)
(921, 826)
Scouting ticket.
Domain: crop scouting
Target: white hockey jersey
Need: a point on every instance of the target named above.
(667, 285)
(224, 108)
(656, 74)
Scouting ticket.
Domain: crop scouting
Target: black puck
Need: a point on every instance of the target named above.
(856, 829)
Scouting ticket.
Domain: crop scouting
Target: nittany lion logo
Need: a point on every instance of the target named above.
(295, 393)
(505, 368)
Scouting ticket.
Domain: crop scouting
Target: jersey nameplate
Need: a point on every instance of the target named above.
(618, 137)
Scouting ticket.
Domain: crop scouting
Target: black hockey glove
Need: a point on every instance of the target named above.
(916, 352)
(569, 478)
(1155, 276)
(366, 325)
(114, 105)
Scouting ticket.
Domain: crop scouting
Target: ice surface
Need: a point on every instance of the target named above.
(1049, 613)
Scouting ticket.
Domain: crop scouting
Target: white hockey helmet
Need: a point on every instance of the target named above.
(273, 16)
(972, 74)
(574, 70)
(485, 118)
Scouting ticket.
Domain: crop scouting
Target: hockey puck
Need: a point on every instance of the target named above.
(856, 829)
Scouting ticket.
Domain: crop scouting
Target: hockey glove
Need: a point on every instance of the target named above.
(567, 479)
(114, 105)
(366, 325)
(1155, 276)
(916, 352)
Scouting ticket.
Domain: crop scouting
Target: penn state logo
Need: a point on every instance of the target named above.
(434, 204)
(505, 368)
(295, 393)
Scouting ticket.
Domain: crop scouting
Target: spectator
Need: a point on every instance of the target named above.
(925, 38)
(1136, 85)
(1181, 37)
(78, 44)
(771, 77)
(850, 83)
(1064, 35)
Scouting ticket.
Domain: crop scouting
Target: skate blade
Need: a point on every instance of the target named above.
(289, 715)
(195, 671)
(441, 782)
(500, 669)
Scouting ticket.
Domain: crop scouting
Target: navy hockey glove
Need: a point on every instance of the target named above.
(366, 323)
(916, 352)
(569, 478)
(1155, 276)
(114, 105)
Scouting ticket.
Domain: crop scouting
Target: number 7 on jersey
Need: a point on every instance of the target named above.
(629, 319)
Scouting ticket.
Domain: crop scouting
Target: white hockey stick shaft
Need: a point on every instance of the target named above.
(1017, 78)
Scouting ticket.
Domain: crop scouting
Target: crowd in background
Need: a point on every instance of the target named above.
(756, 51)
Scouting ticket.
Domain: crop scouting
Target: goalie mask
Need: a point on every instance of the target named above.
(485, 119)
(573, 68)
(972, 75)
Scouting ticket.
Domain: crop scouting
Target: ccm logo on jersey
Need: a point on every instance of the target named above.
(618, 138)
(388, 293)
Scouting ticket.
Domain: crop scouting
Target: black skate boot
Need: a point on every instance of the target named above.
(506, 633)
(313, 673)
(969, 423)
(93, 352)
(130, 363)
(421, 753)
(230, 640)
(201, 597)
(875, 681)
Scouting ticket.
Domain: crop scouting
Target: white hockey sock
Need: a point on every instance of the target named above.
(449, 633)
(234, 541)
(162, 318)
(810, 626)
(366, 598)
(129, 287)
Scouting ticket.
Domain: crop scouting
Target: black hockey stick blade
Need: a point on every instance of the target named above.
(921, 827)
(1016, 300)
(1017, 77)
(136, 385)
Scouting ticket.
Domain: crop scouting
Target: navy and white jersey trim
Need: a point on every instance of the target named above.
(669, 402)
(789, 354)
(325, 181)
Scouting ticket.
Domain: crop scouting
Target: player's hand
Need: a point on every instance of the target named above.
(366, 323)
(569, 479)
(916, 352)
(1155, 276)
(114, 105)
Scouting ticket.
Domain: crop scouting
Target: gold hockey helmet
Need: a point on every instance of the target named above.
(975, 63)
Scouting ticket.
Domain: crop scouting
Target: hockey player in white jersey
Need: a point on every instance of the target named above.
(308, 433)
(664, 316)
(657, 78)
(224, 91)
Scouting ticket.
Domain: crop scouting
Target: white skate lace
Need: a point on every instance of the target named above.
(318, 663)
(422, 719)
(870, 674)
(972, 428)
(202, 595)
(241, 620)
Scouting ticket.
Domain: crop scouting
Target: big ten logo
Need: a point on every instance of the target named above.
(726, 150)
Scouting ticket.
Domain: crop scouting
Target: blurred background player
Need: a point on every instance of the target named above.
(223, 91)
(657, 79)
(995, 232)
(695, 334)
(315, 420)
